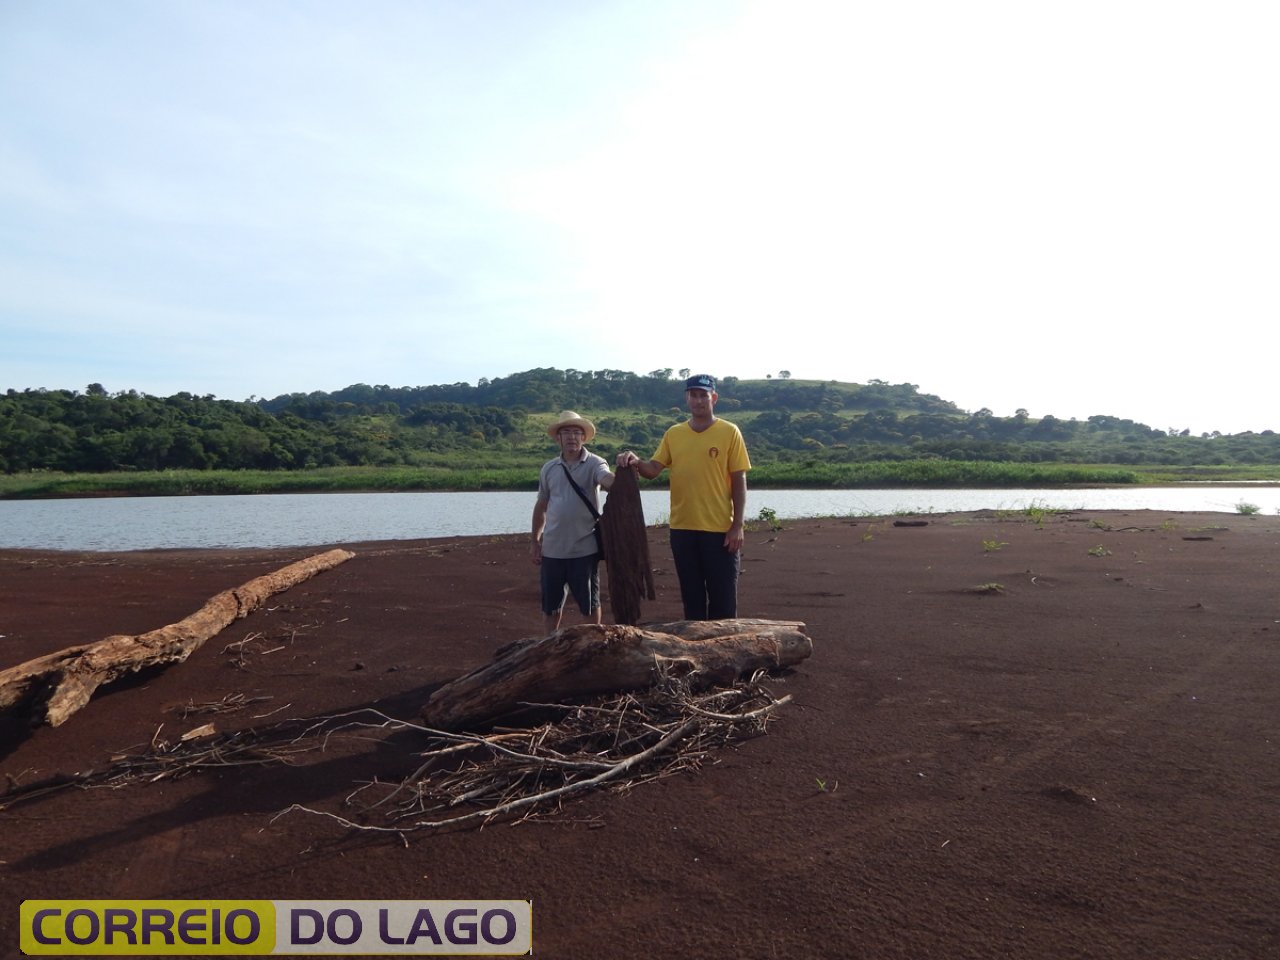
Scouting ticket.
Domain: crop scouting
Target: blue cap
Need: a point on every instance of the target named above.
(701, 382)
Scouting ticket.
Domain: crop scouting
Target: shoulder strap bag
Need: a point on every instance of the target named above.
(590, 506)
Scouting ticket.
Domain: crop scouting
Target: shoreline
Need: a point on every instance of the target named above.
(287, 521)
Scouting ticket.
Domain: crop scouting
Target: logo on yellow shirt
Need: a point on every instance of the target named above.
(714, 453)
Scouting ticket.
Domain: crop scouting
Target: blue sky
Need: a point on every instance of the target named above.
(1069, 208)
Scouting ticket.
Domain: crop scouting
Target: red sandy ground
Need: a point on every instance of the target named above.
(1081, 764)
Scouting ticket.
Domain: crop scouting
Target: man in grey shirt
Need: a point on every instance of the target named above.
(564, 542)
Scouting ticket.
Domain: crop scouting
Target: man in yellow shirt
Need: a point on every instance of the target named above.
(708, 461)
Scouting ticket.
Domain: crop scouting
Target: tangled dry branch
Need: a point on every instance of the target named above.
(615, 743)
(172, 760)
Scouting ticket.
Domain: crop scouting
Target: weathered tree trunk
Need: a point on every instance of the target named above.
(61, 683)
(707, 629)
(626, 548)
(589, 660)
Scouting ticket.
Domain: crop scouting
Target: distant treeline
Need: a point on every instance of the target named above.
(500, 421)
(547, 388)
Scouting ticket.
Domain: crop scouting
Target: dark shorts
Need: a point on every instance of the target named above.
(580, 575)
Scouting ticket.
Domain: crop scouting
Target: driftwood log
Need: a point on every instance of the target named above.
(588, 660)
(59, 684)
(626, 548)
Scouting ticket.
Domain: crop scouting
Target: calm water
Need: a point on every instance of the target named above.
(277, 520)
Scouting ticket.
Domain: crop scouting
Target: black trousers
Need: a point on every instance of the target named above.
(708, 574)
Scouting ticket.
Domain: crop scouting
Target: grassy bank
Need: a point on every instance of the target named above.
(216, 482)
(908, 473)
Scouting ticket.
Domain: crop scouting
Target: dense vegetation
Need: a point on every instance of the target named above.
(800, 431)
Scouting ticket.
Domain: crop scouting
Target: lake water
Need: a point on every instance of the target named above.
(279, 520)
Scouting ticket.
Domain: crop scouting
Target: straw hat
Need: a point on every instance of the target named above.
(570, 419)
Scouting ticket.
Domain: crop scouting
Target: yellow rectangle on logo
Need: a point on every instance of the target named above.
(186, 928)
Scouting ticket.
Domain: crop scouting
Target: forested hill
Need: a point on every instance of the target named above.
(501, 421)
(598, 390)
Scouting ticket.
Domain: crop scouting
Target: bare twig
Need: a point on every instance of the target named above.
(617, 743)
(517, 774)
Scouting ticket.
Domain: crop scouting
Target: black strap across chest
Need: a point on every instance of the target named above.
(578, 490)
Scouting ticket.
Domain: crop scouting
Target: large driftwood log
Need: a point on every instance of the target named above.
(588, 660)
(708, 629)
(61, 683)
(626, 548)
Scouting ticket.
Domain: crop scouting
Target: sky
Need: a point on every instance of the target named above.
(1067, 208)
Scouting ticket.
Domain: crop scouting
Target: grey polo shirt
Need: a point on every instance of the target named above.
(569, 522)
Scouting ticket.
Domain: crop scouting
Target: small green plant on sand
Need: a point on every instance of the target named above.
(1247, 509)
(991, 546)
(822, 785)
(1036, 513)
(1099, 551)
(1099, 524)
(991, 587)
(770, 516)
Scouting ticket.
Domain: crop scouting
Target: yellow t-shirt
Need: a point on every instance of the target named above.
(701, 466)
